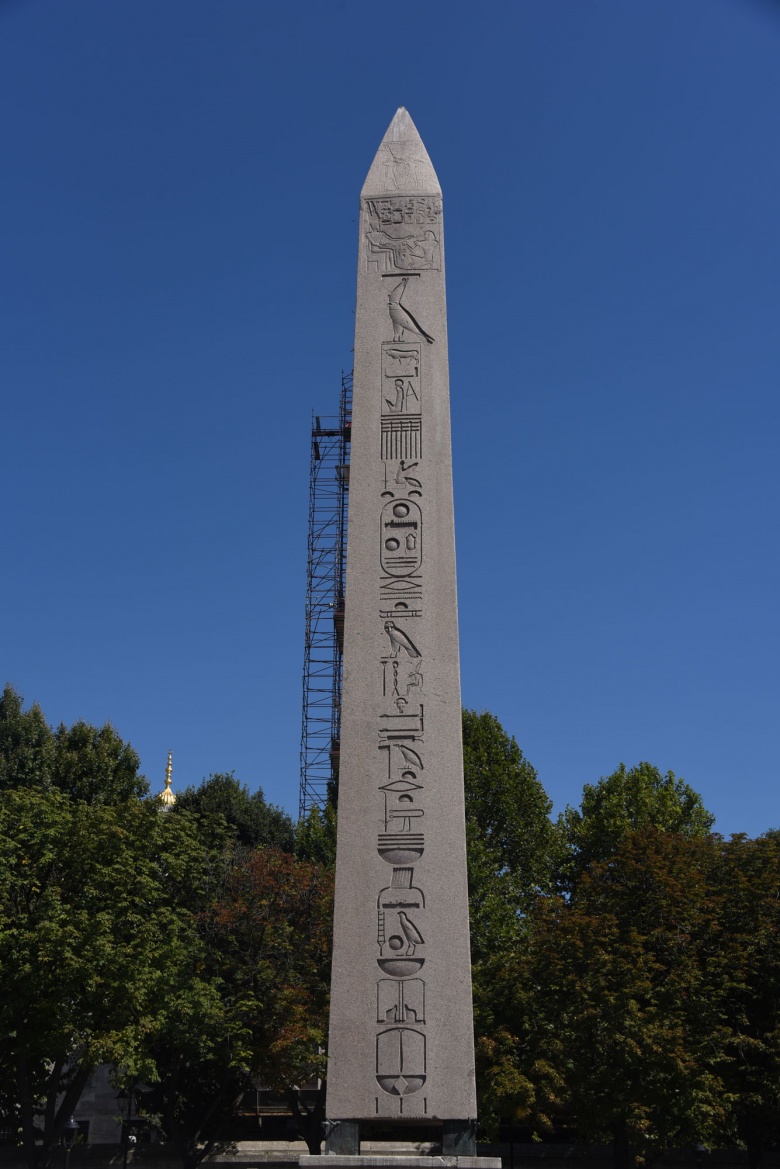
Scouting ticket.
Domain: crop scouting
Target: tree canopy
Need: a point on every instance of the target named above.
(250, 820)
(630, 799)
(626, 959)
(89, 764)
(92, 925)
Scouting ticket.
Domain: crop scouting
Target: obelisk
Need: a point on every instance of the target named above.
(401, 1035)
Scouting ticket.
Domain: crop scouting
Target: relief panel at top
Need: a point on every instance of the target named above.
(404, 234)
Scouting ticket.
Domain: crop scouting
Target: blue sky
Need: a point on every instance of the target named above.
(178, 251)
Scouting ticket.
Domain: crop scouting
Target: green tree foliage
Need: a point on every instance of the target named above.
(747, 883)
(92, 926)
(255, 1007)
(87, 763)
(629, 799)
(626, 962)
(553, 972)
(251, 821)
(512, 851)
(94, 765)
(630, 974)
(511, 843)
(161, 942)
(646, 1008)
(26, 744)
(315, 837)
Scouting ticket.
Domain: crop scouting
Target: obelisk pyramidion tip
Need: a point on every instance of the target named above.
(401, 165)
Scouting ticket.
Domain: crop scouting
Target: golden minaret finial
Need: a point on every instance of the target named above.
(168, 796)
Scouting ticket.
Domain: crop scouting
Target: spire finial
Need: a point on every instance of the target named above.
(167, 796)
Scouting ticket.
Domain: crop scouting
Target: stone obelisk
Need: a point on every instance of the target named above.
(401, 1038)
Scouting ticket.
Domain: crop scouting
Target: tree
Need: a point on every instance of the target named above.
(252, 822)
(747, 882)
(87, 763)
(26, 744)
(94, 765)
(511, 842)
(511, 855)
(628, 996)
(635, 799)
(257, 1006)
(93, 922)
(315, 837)
(633, 999)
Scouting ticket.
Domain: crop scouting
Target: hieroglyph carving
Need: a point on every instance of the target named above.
(403, 251)
(403, 320)
(401, 812)
(400, 1001)
(403, 236)
(400, 597)
(400, 539)
(401, 907)
(402, 679)
(402, 439)
(391, 212)
(400, 1060)
(402, 480)
(400, 379)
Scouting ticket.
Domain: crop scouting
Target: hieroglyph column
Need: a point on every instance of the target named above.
(401, 1039)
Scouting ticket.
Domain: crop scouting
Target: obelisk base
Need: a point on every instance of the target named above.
(396, 1161)
(458, 1138)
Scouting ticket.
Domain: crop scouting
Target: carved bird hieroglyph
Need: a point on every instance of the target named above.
(401, 317)
(399, 641)
(411, 933)
(410, 757)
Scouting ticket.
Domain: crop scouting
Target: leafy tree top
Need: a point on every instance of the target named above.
(251, 821)
(511, 841)
(628, 800)
(92, 765)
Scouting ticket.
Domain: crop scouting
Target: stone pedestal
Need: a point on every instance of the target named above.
(397, 1161)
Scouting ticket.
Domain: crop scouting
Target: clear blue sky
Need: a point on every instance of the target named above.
(178, 214)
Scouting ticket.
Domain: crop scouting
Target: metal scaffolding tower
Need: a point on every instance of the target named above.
(325, 584)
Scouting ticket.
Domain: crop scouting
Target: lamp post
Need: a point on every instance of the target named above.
(70, 1130)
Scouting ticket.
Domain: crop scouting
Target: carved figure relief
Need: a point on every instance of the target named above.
(405, 398)
(402, 168)
(400, 551)
(412, 251)
(402, 319)
(401, 480)
(400, 1060)
(399, 1001)
(403, 476)
(414, 680)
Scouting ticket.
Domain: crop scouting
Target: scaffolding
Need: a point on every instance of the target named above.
(325, 586)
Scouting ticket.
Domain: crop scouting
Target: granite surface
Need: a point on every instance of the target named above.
(401, 1036)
